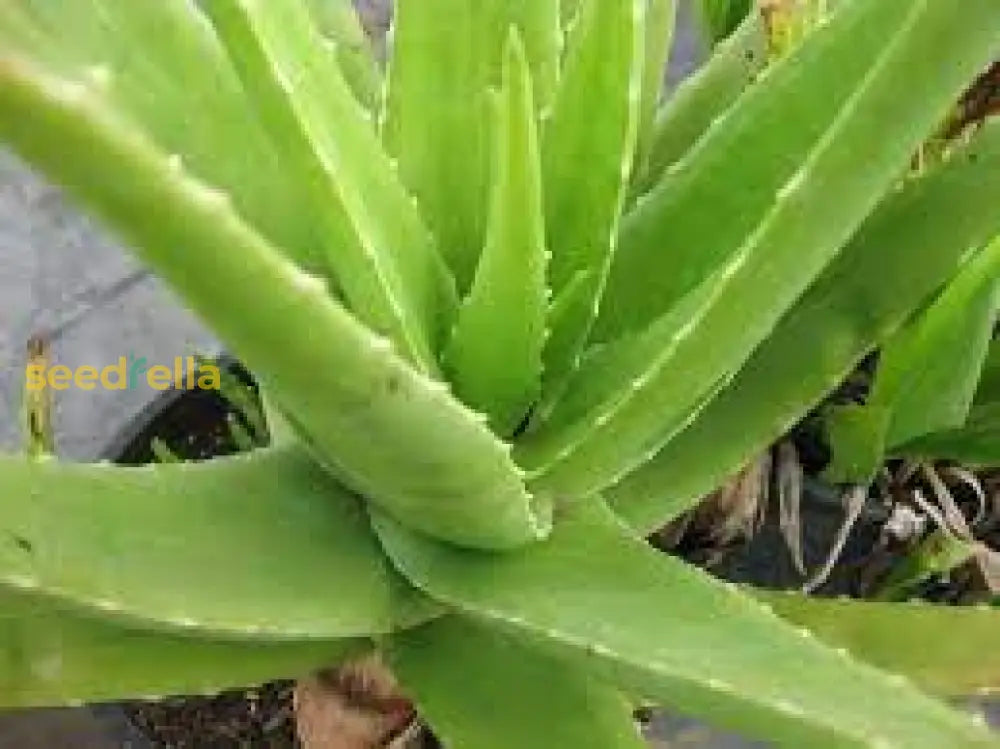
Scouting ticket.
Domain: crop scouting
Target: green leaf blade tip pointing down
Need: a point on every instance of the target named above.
(385, 258)
(495, 353)
(798, 235)
(587, 160)
(446, 56)
(481, 688)
(928, 373)
(905, 251)
(361, 406)
(606, 601)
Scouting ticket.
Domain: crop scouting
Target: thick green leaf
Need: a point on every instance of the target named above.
(928, 373)
(975, 444)
(446, 56)
(795, 238)
(704, 96)
(902, 254)
(587, 157)
(51, 655)
(481, 688)
(262, 547)
(339, 23)
(856, 435)
(386, 261)
(694, 222)
(660, 19)
(947, 650)
(495, 354)
(361, 407)
(159, 64)
(599, 597)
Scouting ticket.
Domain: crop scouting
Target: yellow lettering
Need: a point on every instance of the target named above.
(59, 377)
(86, 378)
(35, 377)
(159, 377)
(120, 369)
(210, 378)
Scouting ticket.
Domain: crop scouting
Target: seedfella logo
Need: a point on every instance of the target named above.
(128, 373)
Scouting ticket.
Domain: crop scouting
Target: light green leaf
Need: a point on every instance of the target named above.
(944, 649)
(707, 94)
(694, 222)
(159, 65)
(481, 688)
(339, 23)
(795, 238)
(598, 597)
(360, 406)
(905, 251)
(296, 559)
(587, 158)
(51, 655)
(495, 354)
(660, 19)
(929, 371)
(446, 56)
(384, 257)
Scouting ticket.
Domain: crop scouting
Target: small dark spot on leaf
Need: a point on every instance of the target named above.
(393, 385)
(22, 543)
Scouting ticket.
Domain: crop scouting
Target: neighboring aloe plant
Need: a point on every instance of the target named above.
(624, 309)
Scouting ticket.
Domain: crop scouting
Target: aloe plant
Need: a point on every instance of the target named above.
(512, 318)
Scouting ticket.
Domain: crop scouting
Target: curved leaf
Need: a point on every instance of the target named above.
(339, 23)
(796, 237)
(446, 55)
(384, 257)
(975, 444)
(587, 158)
(160, 65)
(929, 371)
(901, 255)
(661, 16)
(481, 688)
(704, 96)
(51, 656)
(361, 407)
(495, 353)
(261, 547)
(694, 222)
(600, 598)
(944, 649)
